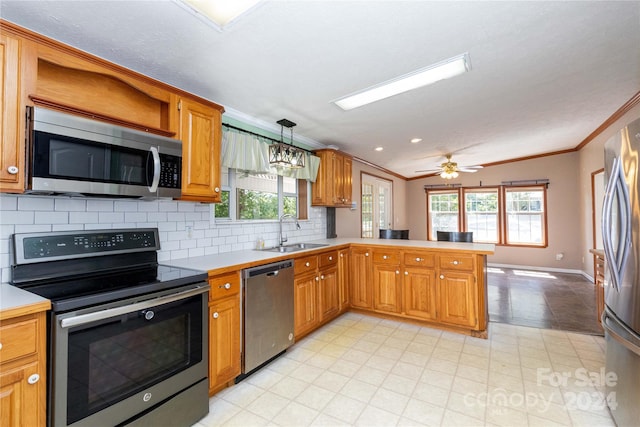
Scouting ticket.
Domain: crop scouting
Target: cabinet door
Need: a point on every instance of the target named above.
(305, 303)
(12, 150)
(329, 293)
(347, 170)
(322, 189)
(420, 293)
(20, 403)
(337, 179)
(458, 298)
(200, 132)
(361, 285)
(224, 341)
(343, 278)
(387, 288)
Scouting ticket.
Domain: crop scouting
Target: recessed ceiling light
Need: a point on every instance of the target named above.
(416, 140)
(442, 70)
(220, 12)
(379, 148)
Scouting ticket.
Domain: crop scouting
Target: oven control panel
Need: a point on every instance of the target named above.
(50, 246)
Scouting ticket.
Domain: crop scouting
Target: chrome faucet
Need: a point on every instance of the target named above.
(282, 239)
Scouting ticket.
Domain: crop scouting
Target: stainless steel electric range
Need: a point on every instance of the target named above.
(127, 337)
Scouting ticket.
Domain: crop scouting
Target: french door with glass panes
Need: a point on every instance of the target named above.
(377, 202)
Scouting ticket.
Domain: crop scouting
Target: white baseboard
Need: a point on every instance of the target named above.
(536, 268)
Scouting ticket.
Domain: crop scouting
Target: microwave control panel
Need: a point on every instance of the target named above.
(170, 171)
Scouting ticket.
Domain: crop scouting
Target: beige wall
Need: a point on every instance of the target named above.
(563, 209)
(348, 221)
(591, 158)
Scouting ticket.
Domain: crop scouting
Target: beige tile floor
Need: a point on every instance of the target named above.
(364, 371)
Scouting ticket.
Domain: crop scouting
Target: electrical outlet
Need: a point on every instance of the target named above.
(189, 229)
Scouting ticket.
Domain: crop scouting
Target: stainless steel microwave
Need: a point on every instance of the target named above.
(68, 154)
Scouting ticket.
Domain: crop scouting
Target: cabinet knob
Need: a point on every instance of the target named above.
(226, 286)
(330, 258)
(33, 379)
(397, 271)
(13, 170)
(216, 315)
(442, 276)
(384, 257)
(455, 262)
(366, 254)
(306, 264)
(217, 189)
(322, 276)
(418, 259)
(406, 273)
(317, 279)
(0, 346)
(341, 255)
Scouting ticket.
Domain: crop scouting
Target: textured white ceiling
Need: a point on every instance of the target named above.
(544, 74)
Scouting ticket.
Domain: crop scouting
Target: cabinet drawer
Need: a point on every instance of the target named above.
(306, 264)
(224, 285)
(456, 262)
(419, 259)
(328, 258)
(386, 257)
(18, 339)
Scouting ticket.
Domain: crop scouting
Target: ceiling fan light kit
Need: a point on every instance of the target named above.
(450, 170)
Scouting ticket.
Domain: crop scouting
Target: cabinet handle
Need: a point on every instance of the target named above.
(217, 189)
(406, 273)
(33, 379)
(306, 264)
(442, 276)
(13, 170)
(0, 346)
(366, 254)
(215, 315)
(455, 262)
(397, 271)
(418, 259)
(330, 258)
(322, 276)
(226, 286)
(384, 257)
(317, 279)
(341, 255)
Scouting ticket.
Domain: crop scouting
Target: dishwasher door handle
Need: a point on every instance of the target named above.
(273, 273)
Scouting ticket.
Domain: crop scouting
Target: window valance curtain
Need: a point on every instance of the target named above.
(250, 153)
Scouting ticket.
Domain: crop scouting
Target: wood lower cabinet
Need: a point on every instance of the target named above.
(387, 288)
(12, 148)
(361, 278)
(344, 266)
(458, 298)
(420, 293)
(329, 293)
(305, 303)
(201, 135)
(23, 370)
(224, 330)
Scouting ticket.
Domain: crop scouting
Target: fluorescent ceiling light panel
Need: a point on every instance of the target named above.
(433, 73)
(221, 12)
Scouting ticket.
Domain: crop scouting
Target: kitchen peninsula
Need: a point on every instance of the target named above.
(440, 284)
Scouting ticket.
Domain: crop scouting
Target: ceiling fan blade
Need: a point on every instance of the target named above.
(467, 170)
(429, 171)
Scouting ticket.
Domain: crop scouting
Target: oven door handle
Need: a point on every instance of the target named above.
(83, 319)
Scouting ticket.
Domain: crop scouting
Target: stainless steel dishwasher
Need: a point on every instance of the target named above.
(267, 292)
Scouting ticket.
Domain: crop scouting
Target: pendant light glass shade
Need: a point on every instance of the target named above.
(283, 154)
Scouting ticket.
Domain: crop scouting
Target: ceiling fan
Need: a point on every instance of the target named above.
(450, 170)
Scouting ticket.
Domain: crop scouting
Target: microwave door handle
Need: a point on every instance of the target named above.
(156, 170)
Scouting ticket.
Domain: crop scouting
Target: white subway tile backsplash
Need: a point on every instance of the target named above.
(27, 214)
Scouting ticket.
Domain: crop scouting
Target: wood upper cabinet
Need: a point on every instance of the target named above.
(201, 135)
(333, 185)
(23, 370)
(224, 330)
(12, 150)
(361, 278)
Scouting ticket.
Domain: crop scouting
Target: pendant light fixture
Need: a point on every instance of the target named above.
(283, 154)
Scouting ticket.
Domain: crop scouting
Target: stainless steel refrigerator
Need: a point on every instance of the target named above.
(621, 241)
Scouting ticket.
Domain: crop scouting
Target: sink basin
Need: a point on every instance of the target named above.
(293, 247)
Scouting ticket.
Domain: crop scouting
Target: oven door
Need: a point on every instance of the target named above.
(113, 362)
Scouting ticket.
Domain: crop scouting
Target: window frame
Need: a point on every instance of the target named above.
(232, 188)
(499, 213)
(502, 190)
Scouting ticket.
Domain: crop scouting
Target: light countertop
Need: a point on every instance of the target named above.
(248, 258)
(15, 302)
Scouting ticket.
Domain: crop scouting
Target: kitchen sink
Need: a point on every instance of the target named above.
(294, 247)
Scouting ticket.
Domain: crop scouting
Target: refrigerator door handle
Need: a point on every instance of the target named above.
(616, 330)
(616, 259)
